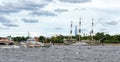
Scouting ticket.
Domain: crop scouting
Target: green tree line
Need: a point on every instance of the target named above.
(103, 38)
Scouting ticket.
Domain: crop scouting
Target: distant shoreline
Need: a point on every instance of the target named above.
(107, 44)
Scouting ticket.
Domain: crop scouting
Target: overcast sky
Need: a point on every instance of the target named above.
(49, 17)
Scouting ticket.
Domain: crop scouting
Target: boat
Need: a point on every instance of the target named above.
(69, 41)
(32, 42)
(80, 43)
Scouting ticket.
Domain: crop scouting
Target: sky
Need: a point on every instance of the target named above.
(50, 17)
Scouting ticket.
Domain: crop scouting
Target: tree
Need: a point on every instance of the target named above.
(98, 36)
(58, 39)
(19, 39)
(41, 38)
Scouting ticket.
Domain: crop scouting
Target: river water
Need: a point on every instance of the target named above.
(71, 53)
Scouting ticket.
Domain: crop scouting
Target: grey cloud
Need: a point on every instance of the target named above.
(7, 10)
(30, 5)
(10, 25)
(103, 29)
(22, 5)
(83, 9)
(48, 0)
(75, 1)
(100, 19)
(61, 10)
(7, 22)
(30, 21)
(107, 21)
(58, 28)
(4, 20)
(4, 28)
(109, 12)
(79, 9)
(43, 13)
(112, 22)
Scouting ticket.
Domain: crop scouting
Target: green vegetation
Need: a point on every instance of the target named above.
(103, 38)
(106, 38)
(41, 38)
(57, 39)
(19, 39)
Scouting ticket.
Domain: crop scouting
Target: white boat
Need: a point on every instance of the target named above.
(80, 43)
(31, 42)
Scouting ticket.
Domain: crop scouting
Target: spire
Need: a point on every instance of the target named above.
(28, 34)
(75, 30)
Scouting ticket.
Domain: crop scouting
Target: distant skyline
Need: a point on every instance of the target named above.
(50, 17)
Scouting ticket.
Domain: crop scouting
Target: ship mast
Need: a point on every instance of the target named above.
(92, 30)
(80, 29)
(71, 30)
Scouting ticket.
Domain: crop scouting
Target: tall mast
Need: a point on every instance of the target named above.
(71, 30)
(92, 29)
(80, 29)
